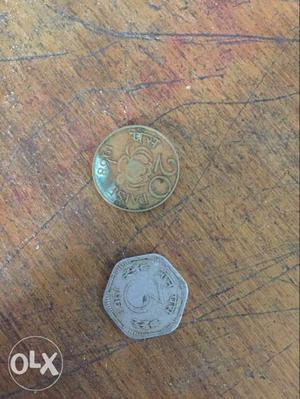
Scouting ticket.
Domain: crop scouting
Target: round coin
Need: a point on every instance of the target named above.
(145, 296)
(135, 168)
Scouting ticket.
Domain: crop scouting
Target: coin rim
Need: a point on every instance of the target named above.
(126, 331)
(126, 128)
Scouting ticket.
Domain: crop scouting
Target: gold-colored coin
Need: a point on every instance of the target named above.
(135, 168)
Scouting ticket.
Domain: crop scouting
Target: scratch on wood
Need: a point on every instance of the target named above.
(252, 101)
(251, 314)
(240, 298)
(157, 36)
(28, 240)
(33, 57)
(274, 261)
(257, 368)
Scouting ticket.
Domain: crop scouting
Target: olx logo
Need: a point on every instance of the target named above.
(35, 363)
(31, 363)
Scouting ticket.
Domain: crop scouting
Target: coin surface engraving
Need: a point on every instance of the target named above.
(135, 168)
(145, 296)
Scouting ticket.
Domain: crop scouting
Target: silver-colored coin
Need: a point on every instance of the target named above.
(145, 296)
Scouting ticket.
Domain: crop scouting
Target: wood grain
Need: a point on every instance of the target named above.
(219, 79)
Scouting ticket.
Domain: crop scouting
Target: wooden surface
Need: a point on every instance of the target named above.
(220, 79)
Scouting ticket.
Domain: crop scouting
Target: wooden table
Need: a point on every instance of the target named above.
(219, 79)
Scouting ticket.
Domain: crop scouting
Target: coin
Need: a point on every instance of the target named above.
(135, 168)
(145, 296)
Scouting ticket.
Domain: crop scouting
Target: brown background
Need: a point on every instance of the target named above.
(219, 78)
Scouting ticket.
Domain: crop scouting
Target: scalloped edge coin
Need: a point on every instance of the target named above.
(116, 306)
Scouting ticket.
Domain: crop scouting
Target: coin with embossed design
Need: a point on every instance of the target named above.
(135, 168)
(145, 296)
